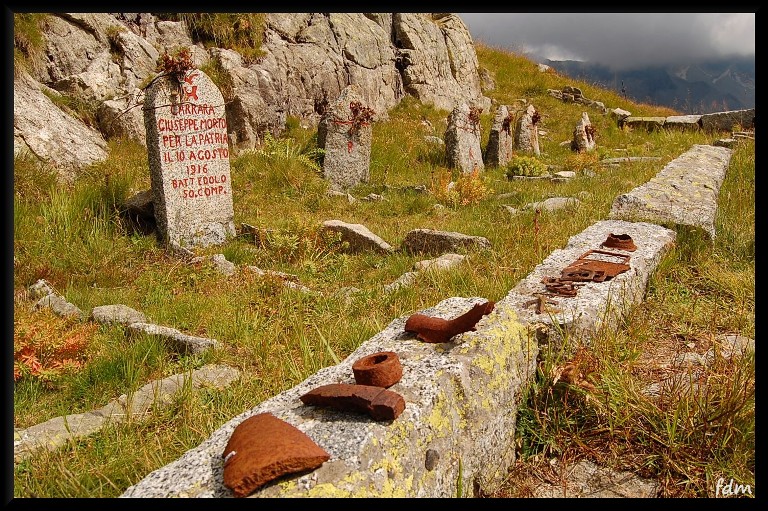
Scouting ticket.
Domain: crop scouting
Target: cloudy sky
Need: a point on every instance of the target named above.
(618, 40)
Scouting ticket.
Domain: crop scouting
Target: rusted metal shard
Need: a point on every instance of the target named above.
(620, 241)
(589, 262)
(382, 369)
(379, 403)
(263, 448)
(435, 330)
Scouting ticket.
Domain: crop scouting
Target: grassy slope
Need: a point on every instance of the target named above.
(75, 239)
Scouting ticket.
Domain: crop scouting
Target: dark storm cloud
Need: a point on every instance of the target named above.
(616, 40)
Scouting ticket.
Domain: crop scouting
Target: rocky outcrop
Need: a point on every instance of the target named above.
(309, 58)
(49, 133)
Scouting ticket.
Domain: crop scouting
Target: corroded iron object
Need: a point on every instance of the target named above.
(620, 241)
(263, 448)
(436, 330)
(382, 369)
(381, 404)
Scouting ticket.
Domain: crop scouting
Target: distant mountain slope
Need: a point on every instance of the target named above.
(727, 84)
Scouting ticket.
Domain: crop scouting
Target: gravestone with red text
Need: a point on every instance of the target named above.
(188, 151)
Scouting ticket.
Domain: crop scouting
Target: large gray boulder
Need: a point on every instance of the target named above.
(437, 59)
(45, 131)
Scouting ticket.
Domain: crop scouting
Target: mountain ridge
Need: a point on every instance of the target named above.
(702, 87)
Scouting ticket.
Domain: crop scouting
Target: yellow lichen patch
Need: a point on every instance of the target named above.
(440, 419)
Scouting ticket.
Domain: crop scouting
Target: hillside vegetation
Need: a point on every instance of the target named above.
(75, 237)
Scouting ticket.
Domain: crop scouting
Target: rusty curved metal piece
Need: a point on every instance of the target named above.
(620, 241)
(436, 330)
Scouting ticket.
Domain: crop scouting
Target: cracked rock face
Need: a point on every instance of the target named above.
(309, 59)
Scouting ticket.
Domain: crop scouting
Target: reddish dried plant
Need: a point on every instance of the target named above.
(45, 346)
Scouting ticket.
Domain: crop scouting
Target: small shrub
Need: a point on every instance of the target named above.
(469, 188)
(286, 149)
(242, 32)
(526, 166)
(582, 161)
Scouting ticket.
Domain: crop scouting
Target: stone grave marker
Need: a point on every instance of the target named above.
(462, 139)
(345, 135)
(583, 135)
(188, 151)
(500, 141)
(527, 131)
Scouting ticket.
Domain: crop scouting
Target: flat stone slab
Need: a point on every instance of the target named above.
(683, 193)
(443, 262)
(552, 204)
(587, 480)
(431, 241)
(727, 121)
(118, 313)
(404, 280)
(458, 422)
(648, 123)
(174, 339)
(359, 237)
(56, 432)
(685, 122)
(595, 302)
(59, 305)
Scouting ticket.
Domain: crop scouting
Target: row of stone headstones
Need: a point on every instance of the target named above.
(511, 131)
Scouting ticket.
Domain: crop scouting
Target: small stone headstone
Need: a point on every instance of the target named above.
(188, 150)
(583, 135)
(526, 131)
(345, 135)
(462, 139)
(500, 140)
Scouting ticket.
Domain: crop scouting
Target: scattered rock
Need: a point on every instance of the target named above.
(59, 306)
(120, 314)
(439, 242)
(359, 237)
(175, 340)
(552, 204)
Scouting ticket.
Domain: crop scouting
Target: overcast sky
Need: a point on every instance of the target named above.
(618, 40)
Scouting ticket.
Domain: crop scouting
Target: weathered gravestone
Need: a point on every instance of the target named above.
(188, 150)
(462, 139)
(498, 152)
(527, 131)
(345, 135)
(583, 135)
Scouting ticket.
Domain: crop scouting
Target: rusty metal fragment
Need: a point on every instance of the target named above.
(382, 369)
(263, 448)
(379, 403)
(591, 266)
(435, 330)
(620, 241)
